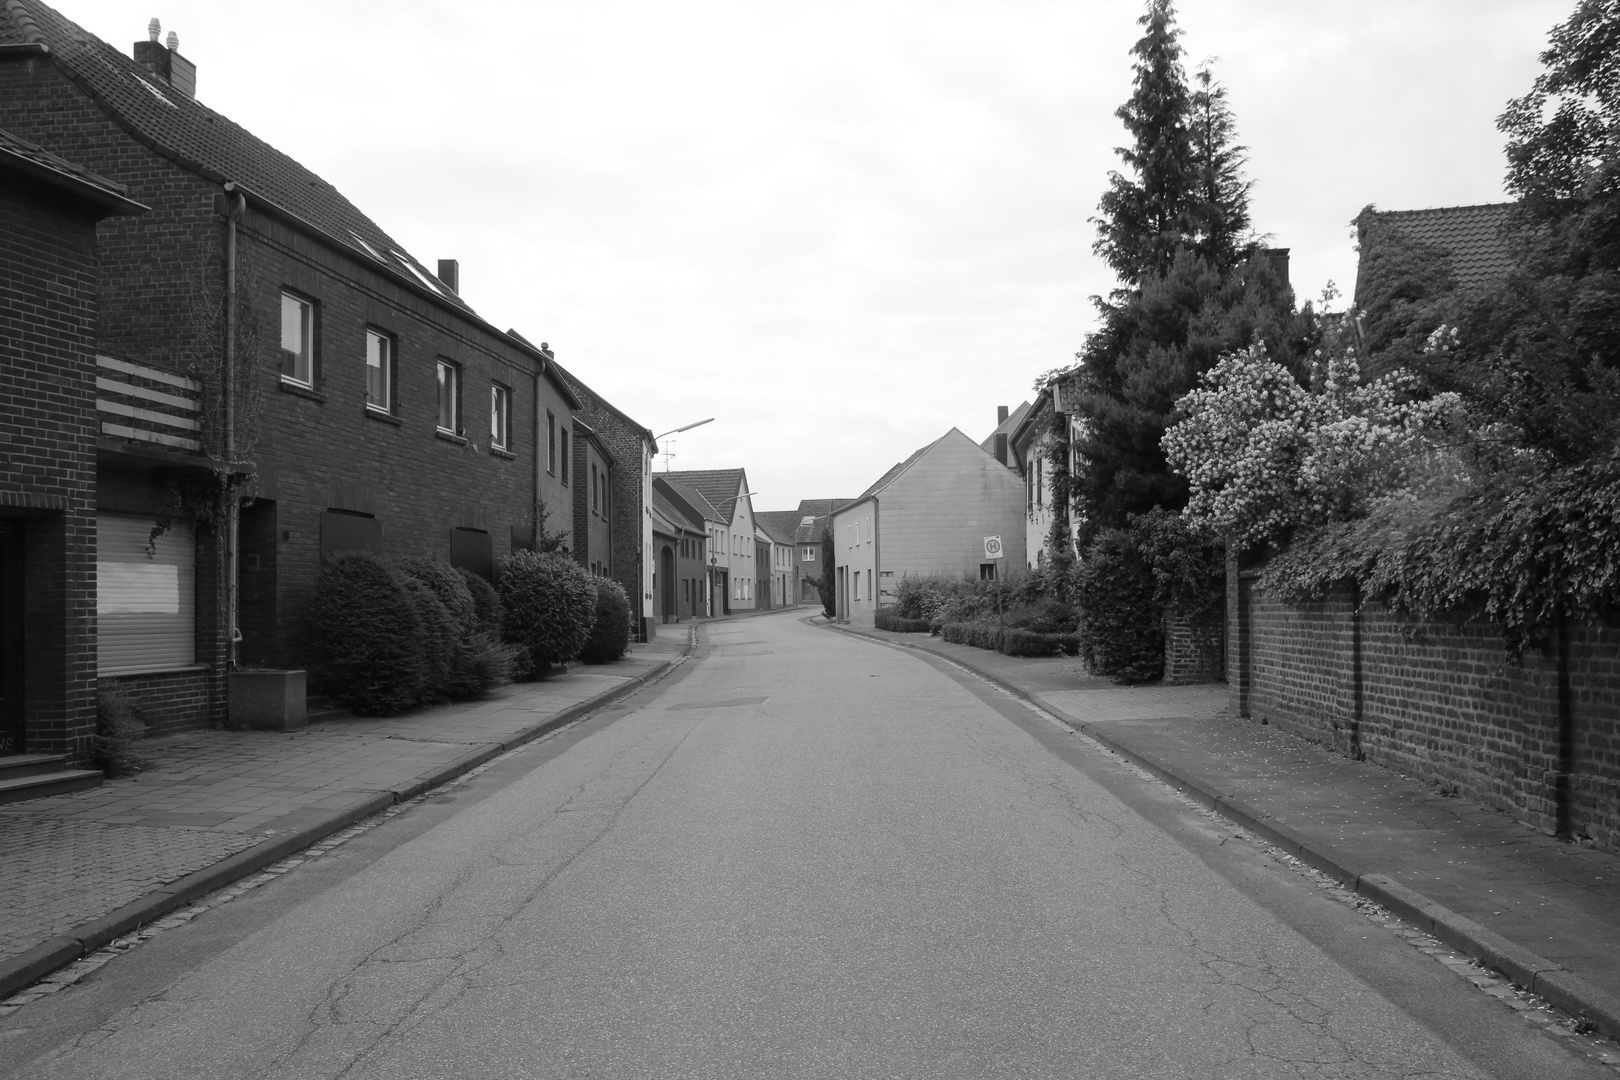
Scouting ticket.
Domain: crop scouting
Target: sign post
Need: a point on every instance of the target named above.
(992, 551)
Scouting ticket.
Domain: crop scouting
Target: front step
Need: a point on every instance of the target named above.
(41, 785)
(15, 765)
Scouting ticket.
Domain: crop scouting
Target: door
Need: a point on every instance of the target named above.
(11, 635)
(667, 588)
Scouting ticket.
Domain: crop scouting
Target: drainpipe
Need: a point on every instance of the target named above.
(235, 207)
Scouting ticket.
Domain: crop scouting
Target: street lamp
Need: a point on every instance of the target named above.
(677, 431)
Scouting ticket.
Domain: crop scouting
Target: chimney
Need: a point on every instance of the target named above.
(1001, 415)
(1279, 262)
(450, 274)
(1001, 448)
(167, 63)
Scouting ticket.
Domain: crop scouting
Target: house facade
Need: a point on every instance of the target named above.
(732, 555)
(680, 544)
(593, 501)
(257, 330)
(710, 590)
(1036, 450)
(928, 515)
(50, 425)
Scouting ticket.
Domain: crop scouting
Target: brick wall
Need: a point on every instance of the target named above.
(625, 440)
(1193, 649)
(48, 425)
(1539, 739)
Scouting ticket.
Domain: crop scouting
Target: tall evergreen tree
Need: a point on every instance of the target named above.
(1192, 286)
(1145, 216)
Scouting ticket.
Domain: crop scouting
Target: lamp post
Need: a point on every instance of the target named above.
(677, 431)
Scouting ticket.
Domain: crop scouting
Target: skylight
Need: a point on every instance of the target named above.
(423, 278)
(373, 252)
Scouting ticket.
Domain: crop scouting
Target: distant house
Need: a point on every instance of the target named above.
(732, 552)
(929, 514)
(806, 526)
(714, 589)
(680, 541)
(999, 442)
(1035, 449)
(775, 552)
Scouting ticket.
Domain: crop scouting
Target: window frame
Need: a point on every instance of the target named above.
(389, 367)
(562, 443)
(551, 442)
(307, 303)
(441, 366)
(500, 411)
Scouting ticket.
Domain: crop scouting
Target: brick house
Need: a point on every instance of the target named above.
(680, 543)
(49, 209)
(593, 501)
(732, 554)
(362, 401)
(782, 527)
(929, 514)
(714, 589)
(631, 447)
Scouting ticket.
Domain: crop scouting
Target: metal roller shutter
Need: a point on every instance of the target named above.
(146, 606)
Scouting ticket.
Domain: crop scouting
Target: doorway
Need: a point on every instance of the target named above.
(11, 635)
(670, 612)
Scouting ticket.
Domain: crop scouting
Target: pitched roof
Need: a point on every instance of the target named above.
(1473, 236)
(781, 525)
(198, 138)
(674, 513)
(691, 496)
(719, 486)
(37, 163)
(895, 470)
(1006, 427)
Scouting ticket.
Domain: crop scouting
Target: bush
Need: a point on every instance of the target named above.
(119, 729)
(366, 636)
(444, 674)
(461, 680)
(550, 605)
(449, 586)
(978, 634)
(486, 602)
(887, 619)
(1122, 628)
(491, 662)
(1044, 616)
(610, 634)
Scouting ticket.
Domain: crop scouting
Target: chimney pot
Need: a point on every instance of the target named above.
(450, 274)
(153, 29)
(1001, 414)
(174, 41)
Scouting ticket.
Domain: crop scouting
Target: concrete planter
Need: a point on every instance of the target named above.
(268, 701)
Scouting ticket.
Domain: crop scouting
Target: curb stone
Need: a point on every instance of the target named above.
(1558, 985)
(27, 968)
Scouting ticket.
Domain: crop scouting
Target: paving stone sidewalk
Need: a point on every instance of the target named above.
(71, 859)
(1559, 900)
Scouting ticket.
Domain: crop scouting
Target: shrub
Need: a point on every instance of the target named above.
(887, 619)
(486, 601)
(610, 633)
(492, 662)
(549, 603)
(980, 635)
(1122, 628)
(448, 585)
(1044, 616)
(366, 636)
(1017, 642)
(440, 640)
(119, 729)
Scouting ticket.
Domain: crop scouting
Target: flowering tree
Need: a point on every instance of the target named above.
(1264, 455)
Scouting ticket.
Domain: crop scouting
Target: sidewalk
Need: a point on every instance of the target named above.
(77, 871)
(1544, 913)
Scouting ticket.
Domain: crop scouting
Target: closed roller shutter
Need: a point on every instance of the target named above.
(146, 606)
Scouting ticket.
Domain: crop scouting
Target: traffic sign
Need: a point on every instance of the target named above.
(992, 547)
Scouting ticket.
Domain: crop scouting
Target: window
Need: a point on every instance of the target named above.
(562, 457)
(500, 415)
(297, 340)
(808, 553)
(596, 492)
(449, 398)
(551, 442)
(379, 371)
(857, 593)
(987, 571)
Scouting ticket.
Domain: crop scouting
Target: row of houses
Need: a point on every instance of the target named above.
(216, 370)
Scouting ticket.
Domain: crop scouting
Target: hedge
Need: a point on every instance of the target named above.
(887, 619)
(610, 634)
(366, 635)
(550, 605)
(1010, 640)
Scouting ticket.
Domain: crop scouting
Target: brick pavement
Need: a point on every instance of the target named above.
(1555, 898)
(70, 859)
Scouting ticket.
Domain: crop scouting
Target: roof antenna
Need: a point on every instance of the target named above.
(153, 29)
(174, 41)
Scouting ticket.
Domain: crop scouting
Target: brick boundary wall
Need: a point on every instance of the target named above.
(1439, 700)
(1194, 651)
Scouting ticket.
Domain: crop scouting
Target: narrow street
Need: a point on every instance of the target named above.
(801, 855)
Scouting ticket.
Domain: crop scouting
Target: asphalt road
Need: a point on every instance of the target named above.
(805, 855)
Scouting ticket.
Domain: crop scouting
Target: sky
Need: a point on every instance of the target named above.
(840, 229)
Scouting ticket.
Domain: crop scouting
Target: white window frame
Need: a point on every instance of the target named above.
(449, 384)
(500, 415)
(380, 357)
(303, 358)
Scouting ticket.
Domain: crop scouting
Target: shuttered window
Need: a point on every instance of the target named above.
(146, 606)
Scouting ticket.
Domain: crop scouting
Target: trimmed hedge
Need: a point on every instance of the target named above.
(610, 634)
(441, 639)
(486, 601)
(448, 585)
(1010, 639)
(550, 606)
(366, 635)
(886, 619)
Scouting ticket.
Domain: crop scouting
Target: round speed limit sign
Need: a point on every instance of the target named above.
(992, 547)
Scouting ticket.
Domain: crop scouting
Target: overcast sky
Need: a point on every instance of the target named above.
(839, 228)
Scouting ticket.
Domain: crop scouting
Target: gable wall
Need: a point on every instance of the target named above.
(937, 513)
